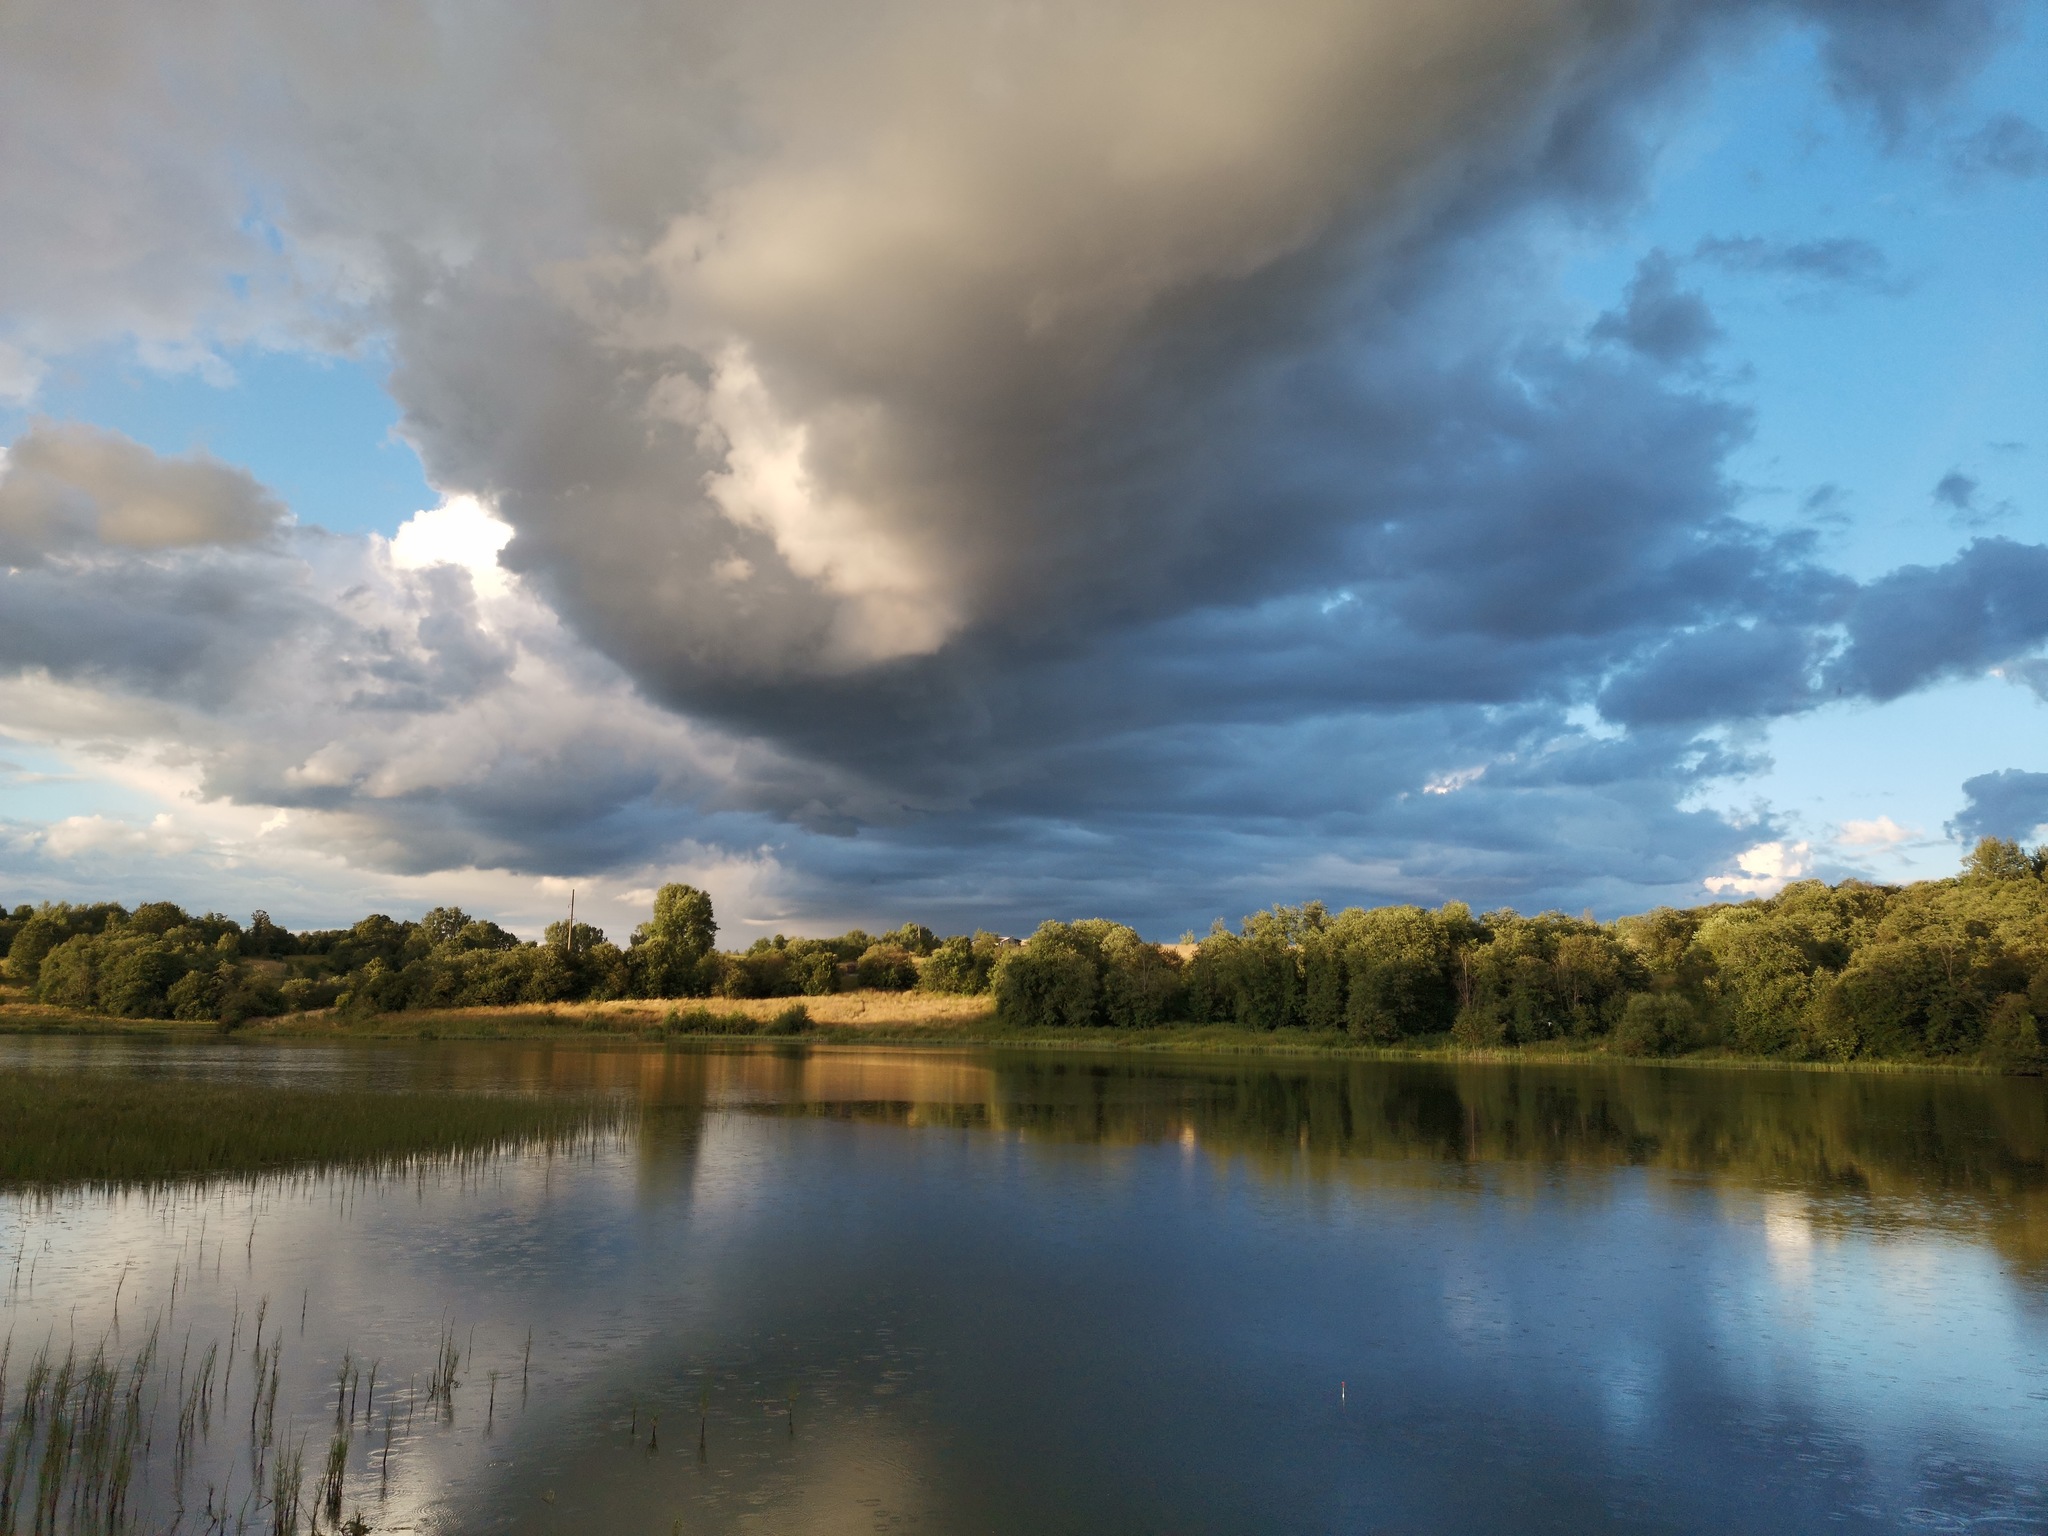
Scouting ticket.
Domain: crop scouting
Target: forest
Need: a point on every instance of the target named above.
(1938, 970)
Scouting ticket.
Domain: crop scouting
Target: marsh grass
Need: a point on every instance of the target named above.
(128, 1131)
(79, 1441)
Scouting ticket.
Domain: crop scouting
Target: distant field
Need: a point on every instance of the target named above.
(919, 1012)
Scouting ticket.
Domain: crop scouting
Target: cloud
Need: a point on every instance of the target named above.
(1659, 319)
(68, 489)
(461, 532)
(1958, 490)
(934, 442)
(1842, 261)
(1764, 870)
(20, 376)
(1897, 57)
(2030, 672)
(2010, 804)
(1878, 832)
(2007, 144)
(1959, 493)
(76, 836)
(1920, 624)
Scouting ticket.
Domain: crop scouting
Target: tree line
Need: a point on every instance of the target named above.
(1953, 969)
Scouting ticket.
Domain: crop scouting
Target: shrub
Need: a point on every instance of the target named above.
(2012, 1036)
(1656, 1024)
(794, 1020)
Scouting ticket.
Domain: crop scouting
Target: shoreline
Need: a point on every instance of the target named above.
(865, 1021)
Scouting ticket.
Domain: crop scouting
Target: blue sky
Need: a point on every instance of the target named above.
(319, 429)
(910, 507)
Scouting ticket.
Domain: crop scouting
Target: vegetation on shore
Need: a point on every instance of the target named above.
(1950, 972)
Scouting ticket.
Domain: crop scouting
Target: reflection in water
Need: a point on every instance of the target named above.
(833, 1290)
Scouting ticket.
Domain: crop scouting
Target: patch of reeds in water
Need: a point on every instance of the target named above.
(79, 1452)
(129, 1132)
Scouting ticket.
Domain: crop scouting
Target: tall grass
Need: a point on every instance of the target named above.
(127, 1131)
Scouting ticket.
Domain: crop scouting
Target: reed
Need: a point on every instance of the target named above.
(328, 1496)
(121, 1133)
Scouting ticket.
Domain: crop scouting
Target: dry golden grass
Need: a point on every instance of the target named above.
(921, 1012)
(848, 1010)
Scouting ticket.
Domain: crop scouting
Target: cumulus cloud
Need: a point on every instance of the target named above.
(69, 489)
(1920, 623)
(947, 424)
(2011, 803)
(1764, 870)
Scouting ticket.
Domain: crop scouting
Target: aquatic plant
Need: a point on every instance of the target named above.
(106, 1131)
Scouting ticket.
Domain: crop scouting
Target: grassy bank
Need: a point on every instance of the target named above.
(882, 1019)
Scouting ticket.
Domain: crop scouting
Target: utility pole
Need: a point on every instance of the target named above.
(572, 919)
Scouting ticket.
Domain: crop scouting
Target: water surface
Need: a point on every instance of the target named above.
(971, 1291)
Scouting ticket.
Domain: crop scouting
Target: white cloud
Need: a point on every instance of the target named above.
(462, 532)
(76, 836)
(1879, 832)
(1764, 870)
(1451, 783)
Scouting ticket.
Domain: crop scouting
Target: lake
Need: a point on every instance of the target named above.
(843, 1290)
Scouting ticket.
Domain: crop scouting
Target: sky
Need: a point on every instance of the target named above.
(988, 461)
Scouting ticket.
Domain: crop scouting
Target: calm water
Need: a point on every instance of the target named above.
(966, 1292)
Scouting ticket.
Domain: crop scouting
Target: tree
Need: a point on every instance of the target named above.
(682, 917)
(914, 938)
(443, 924)
(1050, 981)
(960, 965)
(1998, 858)
(886, 967)
(36, 938)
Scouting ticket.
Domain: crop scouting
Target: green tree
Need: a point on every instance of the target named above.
(960, 964)
(444, 924)
(682, 917)
(886, 967)
(1997, 858)
(35, 938)
(1049, 981)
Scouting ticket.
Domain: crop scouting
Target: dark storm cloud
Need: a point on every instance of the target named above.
(195, 629)
(2010, 804)
(1095, 450)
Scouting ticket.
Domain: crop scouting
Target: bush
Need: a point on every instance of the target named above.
(2012, 1036)
(794, 1020)
(1656, 1024)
